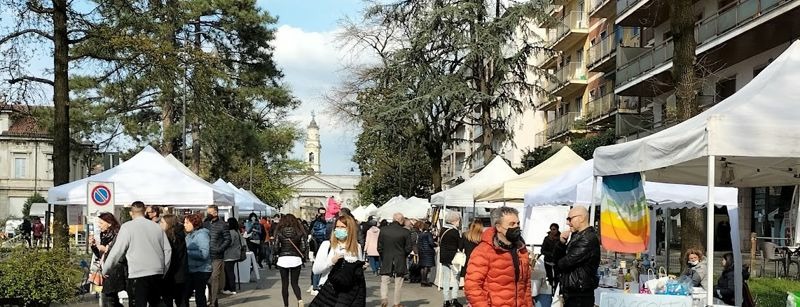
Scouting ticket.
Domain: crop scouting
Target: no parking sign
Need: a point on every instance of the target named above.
(100, 197)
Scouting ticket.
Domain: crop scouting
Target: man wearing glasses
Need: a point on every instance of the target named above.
(153, 213)
(578, 267)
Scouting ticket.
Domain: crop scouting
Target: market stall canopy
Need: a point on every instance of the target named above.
(462, 194)
(149, 178)
(413, 208)
(575, 187)
(244, 202)
(270, 210)
(360, 213)
(258, 205)
(393, 200)
(514, 189)
(754, 136)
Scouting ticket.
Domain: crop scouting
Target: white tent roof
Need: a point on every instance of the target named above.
(753, 134)
(393, 200)
(243, 201)
(146, 177)
(372, 209)
(413, 207)
(514, 189)
(258, 205)
(462, 194)
(575, 187)
(360, 213)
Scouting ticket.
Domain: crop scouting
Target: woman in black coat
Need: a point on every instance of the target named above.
(726, 287)
(175, 278)
(427, 253)
(115, 281)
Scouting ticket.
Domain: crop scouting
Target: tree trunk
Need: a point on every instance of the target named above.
(61, 139)
(167, 122)
(196, 147)
(436, 174)
(683, 75)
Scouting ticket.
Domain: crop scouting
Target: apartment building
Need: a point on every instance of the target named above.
(26, 159)
(617, 54)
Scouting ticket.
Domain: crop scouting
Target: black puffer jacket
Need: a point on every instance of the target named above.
(579, 265)
(726, 287)
(220, 238)
(178, 265)
(283, 243)
(355, 296)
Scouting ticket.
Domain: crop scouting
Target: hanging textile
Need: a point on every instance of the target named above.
(624, 215)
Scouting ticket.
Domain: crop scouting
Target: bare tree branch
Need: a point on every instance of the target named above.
(31, 79)
(24, 32)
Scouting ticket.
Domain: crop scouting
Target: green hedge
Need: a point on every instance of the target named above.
(35, 277)
(772, 291)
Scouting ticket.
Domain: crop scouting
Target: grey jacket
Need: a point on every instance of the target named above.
(235, 249)
(145, 247)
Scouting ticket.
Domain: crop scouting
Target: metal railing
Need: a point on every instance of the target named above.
(602, 49)
(601, 106)
(541, 139)
(562, 124)
(575, 20)
(624, 5)
(726, 20)
(595, 4)
(570, 72)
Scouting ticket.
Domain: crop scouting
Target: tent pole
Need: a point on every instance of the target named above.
(710, 227)
(667, 236)
(593, 204)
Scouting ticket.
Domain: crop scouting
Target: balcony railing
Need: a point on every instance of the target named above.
(624, 5)
(732, 16)
(574, 21)
(571, 72)
(562, 124)
(726, 20)
(602, 49)
(645, 62)
(541, 139)
(600, 107)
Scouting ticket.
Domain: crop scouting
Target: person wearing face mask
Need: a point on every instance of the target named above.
(578, 267)
(253, 237)
(340, 265)
(696, 270)
(498, 272)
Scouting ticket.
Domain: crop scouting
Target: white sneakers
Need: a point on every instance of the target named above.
(300, 303)
(226, 292)
(314, 292)
(310, 288)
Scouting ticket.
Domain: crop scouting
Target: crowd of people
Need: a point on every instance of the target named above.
(163, 260)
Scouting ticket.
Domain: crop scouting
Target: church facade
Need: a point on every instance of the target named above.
(313, 188)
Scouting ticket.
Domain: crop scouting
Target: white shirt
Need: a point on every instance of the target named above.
(323, 264)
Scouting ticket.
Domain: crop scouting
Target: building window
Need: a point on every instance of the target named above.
(311, 157)
(20, 170)
(726, 88)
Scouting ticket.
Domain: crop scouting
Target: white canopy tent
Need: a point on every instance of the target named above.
(258, 205)
(360, 213)
(393, 200)
(514, 189)
(750, 139)
(149, 178)
(462, 194)
(244, 204)
(413, 207)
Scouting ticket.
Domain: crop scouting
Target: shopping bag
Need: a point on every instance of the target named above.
(643, 279)
(558, 300)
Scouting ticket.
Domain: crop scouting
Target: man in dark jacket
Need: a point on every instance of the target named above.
(394, 246)
(578, 267)
(220, 239)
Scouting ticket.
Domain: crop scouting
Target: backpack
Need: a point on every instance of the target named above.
(242, 249)
(319, 231)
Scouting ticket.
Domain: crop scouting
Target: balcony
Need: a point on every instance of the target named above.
(572, 29)
(603, 109)
(563, 125)
(569, 79)
(601, 8)
(641, 13)
(546, 101)
(733, 34)
(603, 55)
(552, 11)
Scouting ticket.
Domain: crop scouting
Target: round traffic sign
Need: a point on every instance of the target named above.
(101, 195)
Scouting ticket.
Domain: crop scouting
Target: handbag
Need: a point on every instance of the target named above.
(96, 278)
(558, 300)
(643, 279)
(459, 260)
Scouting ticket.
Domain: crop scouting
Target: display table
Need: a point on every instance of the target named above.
(247, 269)
(620, 299)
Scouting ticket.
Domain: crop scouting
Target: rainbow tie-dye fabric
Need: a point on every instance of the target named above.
(624, 216)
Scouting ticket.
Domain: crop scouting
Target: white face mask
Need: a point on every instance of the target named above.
(694, 263)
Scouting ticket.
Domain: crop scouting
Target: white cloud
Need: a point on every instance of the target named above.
(312, 64)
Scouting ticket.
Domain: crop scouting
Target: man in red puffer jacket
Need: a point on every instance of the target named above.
(498, 273)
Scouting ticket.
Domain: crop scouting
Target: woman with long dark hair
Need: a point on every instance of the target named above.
(175, 278)
(726, 287)
(291, 248)
(116, 279)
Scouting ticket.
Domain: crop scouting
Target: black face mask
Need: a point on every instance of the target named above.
(513, 234)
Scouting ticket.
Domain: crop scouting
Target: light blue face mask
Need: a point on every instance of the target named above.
(340, 233)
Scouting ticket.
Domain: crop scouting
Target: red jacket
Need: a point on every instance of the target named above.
(490, 275)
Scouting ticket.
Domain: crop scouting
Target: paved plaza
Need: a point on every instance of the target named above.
(267, 292)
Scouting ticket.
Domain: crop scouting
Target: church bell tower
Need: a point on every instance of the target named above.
(312, 145)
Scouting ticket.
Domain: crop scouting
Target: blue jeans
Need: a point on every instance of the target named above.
(543, 300)
(375, 263)
(315, 281)
(449, 292)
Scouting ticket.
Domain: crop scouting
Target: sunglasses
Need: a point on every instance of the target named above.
(569, 218)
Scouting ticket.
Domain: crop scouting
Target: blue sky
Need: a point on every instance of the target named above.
(311, 60)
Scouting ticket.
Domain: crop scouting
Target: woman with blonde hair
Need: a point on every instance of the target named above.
(696, 270)
(340, 264)
(470, 240)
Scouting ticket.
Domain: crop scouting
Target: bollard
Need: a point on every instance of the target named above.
(753, 252)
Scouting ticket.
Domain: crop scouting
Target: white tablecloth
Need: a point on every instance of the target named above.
(247, 268)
